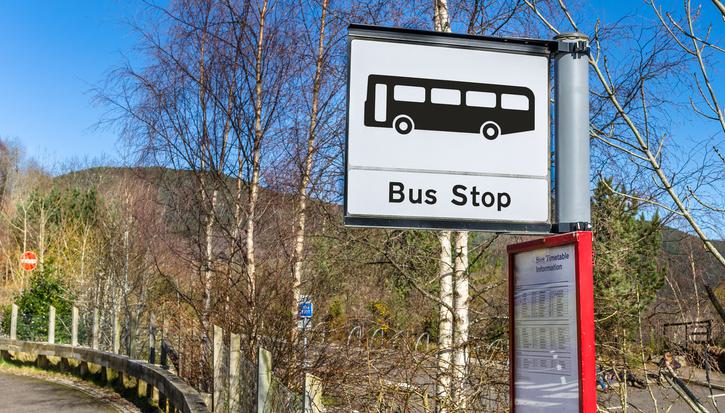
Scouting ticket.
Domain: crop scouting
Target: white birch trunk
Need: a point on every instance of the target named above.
(460, 306)
(444, 24)
(256, 156)
(208, 204)
(208, 255)
(445, 323)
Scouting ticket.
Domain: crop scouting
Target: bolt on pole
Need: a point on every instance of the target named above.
(573, 210)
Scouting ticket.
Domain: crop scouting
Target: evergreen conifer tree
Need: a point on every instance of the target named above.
(627, 275)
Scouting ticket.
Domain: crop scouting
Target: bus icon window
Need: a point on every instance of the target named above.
(408, 103)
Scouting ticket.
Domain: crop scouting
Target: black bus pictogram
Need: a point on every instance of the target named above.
(408, 103)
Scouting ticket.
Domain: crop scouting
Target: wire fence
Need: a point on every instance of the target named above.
(248, 385)
(282, 399)
(279, 399)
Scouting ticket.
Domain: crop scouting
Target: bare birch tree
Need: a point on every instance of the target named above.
(453, 321)
(444, 389)
(307, 161)
(629, 127)
(253, 189)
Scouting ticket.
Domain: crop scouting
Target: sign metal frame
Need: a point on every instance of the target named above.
(535, 47)
(584, 286)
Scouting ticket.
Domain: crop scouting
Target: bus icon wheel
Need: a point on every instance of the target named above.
(403, 124)
(490, 130)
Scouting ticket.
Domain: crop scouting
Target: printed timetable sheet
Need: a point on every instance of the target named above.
(545, 349)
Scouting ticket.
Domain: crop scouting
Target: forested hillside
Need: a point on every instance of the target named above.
(124, 232)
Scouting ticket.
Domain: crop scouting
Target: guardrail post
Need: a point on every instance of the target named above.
(235, 385)
(51, 325)
(217, 401)
(141, 388)
(83, 369)
(64, 365)
(96, 329)
(163, 403)
(41, 361)
(313, 394)
(264, 380)
(108, 375)
(74, 328)
(14, 322)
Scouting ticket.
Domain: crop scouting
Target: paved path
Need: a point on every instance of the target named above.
(667, 399)
(22, 394)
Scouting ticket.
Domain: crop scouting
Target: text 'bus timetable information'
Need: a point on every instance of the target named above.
(546, 372)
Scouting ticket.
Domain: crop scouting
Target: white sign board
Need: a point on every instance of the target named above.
(546, 368)
(447, 131)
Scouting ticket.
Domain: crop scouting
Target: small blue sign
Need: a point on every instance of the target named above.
(305, 308)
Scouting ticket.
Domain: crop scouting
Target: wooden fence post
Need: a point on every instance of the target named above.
(264, 381)
(153, 392)
(131, 324)
(235, 386)
(14, 322)
(313, 394)
(116, 331)
(74, 328)
(51, 325)
(218, 400)
(96, 329)
(152, 338)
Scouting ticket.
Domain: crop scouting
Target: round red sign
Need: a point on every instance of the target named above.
(28, 260)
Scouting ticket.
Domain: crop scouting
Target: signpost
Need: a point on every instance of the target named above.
(447, 131)
(304, 312)
(551, 316)
(28, 261)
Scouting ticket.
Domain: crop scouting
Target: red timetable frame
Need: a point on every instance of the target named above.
(583, 278)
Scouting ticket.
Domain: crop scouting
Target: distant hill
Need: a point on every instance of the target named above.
(682, 253)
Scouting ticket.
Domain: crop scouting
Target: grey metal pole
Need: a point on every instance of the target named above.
(573, 210)
(305, 321)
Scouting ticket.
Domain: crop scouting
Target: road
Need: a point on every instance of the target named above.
(22, 394)
(667, 400)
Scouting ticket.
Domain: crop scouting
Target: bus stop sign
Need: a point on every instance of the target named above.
(447, 131)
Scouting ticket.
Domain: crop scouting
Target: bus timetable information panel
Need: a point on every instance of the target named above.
(552, 324)
(447, 132)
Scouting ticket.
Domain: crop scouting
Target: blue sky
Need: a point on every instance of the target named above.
(52, 53)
